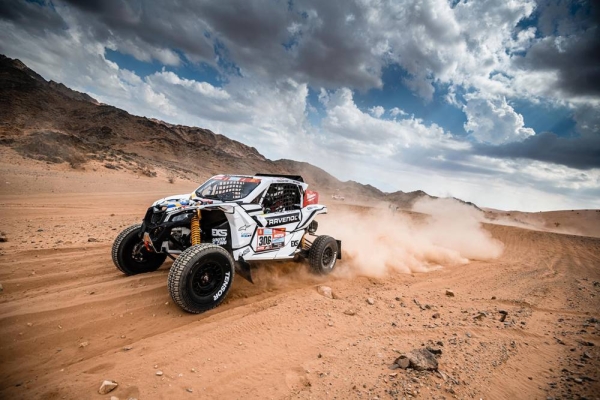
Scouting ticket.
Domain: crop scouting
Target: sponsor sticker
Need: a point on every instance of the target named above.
(283, 219)
(219, 232)
(223, 287)
(220, 241)
(269, 239)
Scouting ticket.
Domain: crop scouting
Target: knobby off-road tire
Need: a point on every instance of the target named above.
(131, 257)
(201, 277)
(322, 255)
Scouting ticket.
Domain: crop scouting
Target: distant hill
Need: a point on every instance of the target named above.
(48, 121)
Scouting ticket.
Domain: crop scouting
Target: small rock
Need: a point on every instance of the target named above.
(493, 297)
(449, 293)
(92, 239)
(190, 390)
(114, 398)
(84, 344)
(1, 288)
(371, 301)
(350, 312)
(586, 355)
(159, 373)
(480, 316)
(468, 334)
(436, 315)
(3, 237)
(419, 359)
(107, 387)
(578, 380)
(29, 324)
(402, 362)
(504, 313)
(434, 350)
(325, 291)
(127, 348)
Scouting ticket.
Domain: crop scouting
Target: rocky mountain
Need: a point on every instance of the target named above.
(48, 121)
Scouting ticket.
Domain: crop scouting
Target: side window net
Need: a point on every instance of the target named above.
(282, 197)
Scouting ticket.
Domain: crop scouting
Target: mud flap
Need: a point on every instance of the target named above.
(242, 268)
(339, 254)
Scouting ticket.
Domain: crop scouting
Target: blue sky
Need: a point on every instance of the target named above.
(493, 102)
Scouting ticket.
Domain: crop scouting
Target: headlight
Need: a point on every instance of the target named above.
(181, 217)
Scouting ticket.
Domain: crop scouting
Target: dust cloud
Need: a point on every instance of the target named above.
(438, 233)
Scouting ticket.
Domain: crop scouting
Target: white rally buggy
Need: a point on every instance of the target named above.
(216, 230)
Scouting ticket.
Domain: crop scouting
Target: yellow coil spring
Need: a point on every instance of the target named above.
(195, 229)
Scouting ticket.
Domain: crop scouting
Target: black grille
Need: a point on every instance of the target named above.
(153, 216)
(157, 217)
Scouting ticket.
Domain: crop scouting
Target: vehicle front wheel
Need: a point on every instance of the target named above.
(201, 277)
(131, 257)
(322, 255)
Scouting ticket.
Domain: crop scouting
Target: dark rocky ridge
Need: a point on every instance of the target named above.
(48, 121)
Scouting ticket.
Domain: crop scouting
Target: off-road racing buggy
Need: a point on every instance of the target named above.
(218, 229)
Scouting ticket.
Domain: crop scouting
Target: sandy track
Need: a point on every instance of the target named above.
(66, 315)
(265, 340)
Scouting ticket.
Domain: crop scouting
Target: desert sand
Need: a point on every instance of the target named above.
(70, 320)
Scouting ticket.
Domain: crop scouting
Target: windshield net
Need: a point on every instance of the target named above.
(227, 188)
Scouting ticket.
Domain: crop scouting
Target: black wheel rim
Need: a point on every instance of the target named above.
(327, 256)
(208, 278)
(139, 254)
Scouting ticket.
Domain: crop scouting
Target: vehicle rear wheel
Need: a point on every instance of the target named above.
(201, 277)
(322, 255)
(131, 257)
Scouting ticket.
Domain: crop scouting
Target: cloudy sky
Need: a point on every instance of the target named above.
(492, 101)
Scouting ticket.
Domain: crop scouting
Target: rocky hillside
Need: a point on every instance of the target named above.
(50, 122)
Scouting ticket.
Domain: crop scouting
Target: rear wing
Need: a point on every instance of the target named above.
(292, 177)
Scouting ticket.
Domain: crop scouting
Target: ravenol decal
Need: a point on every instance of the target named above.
(283, 219)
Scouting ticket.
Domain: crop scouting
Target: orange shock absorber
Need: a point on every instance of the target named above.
(195, 229)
